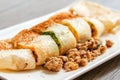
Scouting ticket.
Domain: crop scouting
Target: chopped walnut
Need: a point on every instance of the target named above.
(109, 43)
(64, 58)
(82, 46)
(83, 62)
(102, 49)
(95, 53)
(82, 52)
(74, 50)
(69, 66)
(78, 56)
(89, 56)
(54, 64)
(74, 55)
(93, 43)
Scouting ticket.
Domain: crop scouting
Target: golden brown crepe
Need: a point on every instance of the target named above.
(97, 26)
(109, 18)
(60, 33)
(64, 36)
(44, 47)
(79, 27)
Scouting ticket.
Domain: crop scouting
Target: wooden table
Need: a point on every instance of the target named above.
(17, 11)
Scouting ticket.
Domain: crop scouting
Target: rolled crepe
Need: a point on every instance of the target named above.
(64, 36)
(89, 9)
(109, 18)
(79, 27)
(19, 59)
(43, 47)
(110, 21)
(97, 26)
(108, 24)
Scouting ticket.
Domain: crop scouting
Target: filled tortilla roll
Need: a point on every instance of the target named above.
(62, 35)
(44, 47)
(109, 18)
(17, 59)
(97, 27)
(110, 21)
(79, 27)
(89, 9)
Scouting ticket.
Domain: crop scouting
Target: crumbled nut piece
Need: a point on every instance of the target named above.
(102, 49)
(64, 58)
(82, 46)
(109, 43)
(54, 64)
(95, 53)
(89, 56)
(74, 55)
(74, 50)
(83, 62)
(78, 56)
(71, 59)
(69, 66)
(82, 52)
(94, 43)
(77, 59)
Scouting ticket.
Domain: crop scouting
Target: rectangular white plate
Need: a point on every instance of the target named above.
(40, 74)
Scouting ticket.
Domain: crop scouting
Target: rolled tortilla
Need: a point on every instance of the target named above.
(109, 18)
(64, 36)
(89, 9)
(107, 23)
(79, 27)
(17, 59)
(97, 27)
(43, 47)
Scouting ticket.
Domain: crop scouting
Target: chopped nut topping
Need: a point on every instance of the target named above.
(54, 64)
(109, 43)
(68, 66)
(78, 56)
(83, 62)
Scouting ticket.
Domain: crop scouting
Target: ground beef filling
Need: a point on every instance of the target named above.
(78, 56)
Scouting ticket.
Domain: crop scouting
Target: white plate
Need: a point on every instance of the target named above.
(40, 74)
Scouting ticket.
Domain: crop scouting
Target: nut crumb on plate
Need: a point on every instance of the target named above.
(109, 43)
(78, 56)
(54, 64)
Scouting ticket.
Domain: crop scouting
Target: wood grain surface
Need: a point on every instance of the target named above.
(17, 11)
